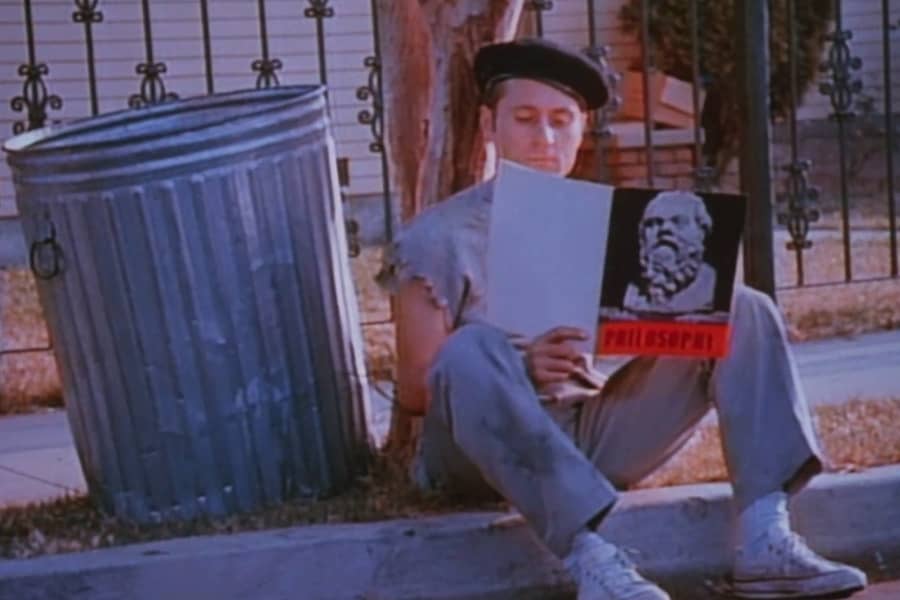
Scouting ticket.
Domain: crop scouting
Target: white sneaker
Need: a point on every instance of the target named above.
(779, 564)
(602, 572)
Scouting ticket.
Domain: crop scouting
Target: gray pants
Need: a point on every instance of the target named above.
(486, 430)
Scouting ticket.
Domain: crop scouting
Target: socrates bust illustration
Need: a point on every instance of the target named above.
(673, 277)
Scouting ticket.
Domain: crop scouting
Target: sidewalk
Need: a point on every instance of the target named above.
(38, 460)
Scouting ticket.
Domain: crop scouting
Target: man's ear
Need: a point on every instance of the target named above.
(486, 122)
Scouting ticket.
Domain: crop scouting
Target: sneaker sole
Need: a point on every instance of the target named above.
(825, 587)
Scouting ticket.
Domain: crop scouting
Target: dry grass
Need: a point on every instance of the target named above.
(29, 380)
(73, 524)
(375, 314)
(855, 436)
(840, 310)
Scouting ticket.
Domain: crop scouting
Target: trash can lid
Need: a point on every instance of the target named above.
(182, 130)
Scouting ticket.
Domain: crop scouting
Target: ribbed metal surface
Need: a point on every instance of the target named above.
(204, 318)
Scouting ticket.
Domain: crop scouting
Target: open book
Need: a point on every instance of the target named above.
(642, 271)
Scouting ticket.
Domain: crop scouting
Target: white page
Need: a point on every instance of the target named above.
(546, 252)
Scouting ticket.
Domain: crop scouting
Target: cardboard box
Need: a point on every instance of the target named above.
(672, 100)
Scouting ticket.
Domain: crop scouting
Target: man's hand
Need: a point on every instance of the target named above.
(551, 357)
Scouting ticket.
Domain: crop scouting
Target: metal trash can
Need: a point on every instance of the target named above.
(193, 268)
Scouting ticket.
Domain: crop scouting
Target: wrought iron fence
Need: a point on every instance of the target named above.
(801, 199)
(36, 100)
(800, 203)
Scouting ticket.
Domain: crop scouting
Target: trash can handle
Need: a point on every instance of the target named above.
(46, 256)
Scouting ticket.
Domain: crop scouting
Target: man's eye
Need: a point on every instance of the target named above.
(524, 117)
(562, 121)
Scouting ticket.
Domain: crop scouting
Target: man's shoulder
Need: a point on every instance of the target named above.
(461, 211)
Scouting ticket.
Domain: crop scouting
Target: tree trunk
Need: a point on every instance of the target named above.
(431, 100)
(430, 94)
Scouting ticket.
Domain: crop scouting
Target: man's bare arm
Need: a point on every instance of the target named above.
(421, 331)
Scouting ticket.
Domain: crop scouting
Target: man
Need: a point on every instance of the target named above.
(674, 278)
(487, 427)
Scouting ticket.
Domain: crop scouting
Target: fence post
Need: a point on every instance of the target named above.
(751, 33)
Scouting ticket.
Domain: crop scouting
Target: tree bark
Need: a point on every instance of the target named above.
(428, 47)
(431, 101)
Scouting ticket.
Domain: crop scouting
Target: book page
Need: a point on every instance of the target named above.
(546, 252)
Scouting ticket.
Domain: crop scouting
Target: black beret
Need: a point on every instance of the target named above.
(545, 61)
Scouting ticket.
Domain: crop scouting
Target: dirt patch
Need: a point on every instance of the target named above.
(28, 381)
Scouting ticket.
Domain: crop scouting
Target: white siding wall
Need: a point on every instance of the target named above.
(178, 41)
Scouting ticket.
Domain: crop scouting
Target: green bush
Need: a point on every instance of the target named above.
(670, 34)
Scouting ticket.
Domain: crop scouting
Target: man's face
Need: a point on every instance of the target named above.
(536, 125)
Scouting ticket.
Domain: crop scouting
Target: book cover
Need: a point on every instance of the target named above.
(671, 260)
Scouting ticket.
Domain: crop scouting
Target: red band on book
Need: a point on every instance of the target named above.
(663, 338)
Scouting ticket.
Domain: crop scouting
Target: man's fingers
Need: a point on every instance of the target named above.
(554, 365)
(562, 334)
(563, 351)
(542, 378)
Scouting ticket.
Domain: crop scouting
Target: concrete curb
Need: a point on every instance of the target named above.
(677, 535)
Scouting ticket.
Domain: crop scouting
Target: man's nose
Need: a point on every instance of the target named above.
(545, 134)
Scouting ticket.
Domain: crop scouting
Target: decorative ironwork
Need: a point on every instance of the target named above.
(35, 99)
(704, 174)
(353, 243)
(798, 201)
(319, 10)
(375, 120)
(600, 55)
(87, 12)
(88, 15)
(841, 65)
(265, 66)
(887, 28)
(153, 89)
(207, 46)
(373, 117)
(648, 63)
(539, 7)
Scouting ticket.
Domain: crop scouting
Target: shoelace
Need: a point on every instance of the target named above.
(794, 545)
